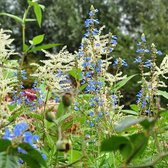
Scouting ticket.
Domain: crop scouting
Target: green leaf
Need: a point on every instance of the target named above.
(146, 123)
(32, 156)
(130, 112)
(25, 47)
(134, 107)
(4, 144)
(38, 13)
(50, 141)
(76, 73)
(115, 143)
(15, 115)
(62, 118)
(127, 122)
(74, 155)
(60, 110)
(163, 93)
(83, 87)
(8, 161)
(35, 116)
(43, 47)
(16, 18)
(139, 141)
(122, 83)
(38, 39)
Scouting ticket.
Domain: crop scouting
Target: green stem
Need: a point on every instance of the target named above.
(152, 163)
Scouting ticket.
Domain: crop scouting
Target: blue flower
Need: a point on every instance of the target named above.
(158, 52)
(143, 38)
(92, 124)
(140, 50)
(8, 135)
(115, 62)
(146, 51)
(138, 60)
(148, 63)
(139, 95)
(87, 34)
(124, 63)
(114, 42)
(23, 74)
(20, 128)
(91, 113)
(92, 13)
(44, 156)
(114, 100)
(88, 22)
(95, 32)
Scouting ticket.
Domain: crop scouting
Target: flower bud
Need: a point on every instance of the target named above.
(63, 145)
(67, 99)
(50, 116)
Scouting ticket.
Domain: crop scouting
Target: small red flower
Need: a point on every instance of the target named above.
(30, 94)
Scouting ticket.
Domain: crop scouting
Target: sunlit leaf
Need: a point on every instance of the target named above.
(163, 93)
(122, 83)
(43, 47)
(38, 39)
(16, 18)
(38, 13)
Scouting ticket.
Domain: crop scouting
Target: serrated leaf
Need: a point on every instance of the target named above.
(38, 39)
(163, 93)
(8, 161)
(122, 83)
(43, 47)
(16, 18)
(38, 13)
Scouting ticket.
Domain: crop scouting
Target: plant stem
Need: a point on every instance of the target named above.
(152, 163)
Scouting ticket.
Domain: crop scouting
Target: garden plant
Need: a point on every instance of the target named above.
(72, 114)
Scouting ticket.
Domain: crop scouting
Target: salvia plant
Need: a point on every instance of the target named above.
(72, 115)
